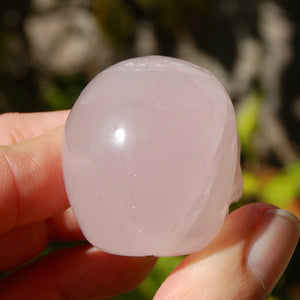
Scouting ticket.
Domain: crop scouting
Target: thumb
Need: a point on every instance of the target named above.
(244, 262)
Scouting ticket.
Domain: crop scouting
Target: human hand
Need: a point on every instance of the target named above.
(245, 261)
(34, 211)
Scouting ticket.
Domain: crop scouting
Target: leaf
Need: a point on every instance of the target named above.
(247, 121)
(284, 187)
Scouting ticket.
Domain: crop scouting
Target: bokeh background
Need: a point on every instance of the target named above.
(50, 49)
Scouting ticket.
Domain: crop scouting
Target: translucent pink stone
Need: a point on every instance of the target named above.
(151, 158)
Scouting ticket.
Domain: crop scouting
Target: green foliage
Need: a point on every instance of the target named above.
(247, 122)
(273, 298)
(284, 187)
(61, 92)
(280, 188)
(116, 20)
(252, 184)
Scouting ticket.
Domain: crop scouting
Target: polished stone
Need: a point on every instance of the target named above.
(151, 158)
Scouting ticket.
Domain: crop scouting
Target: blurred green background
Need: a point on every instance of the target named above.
(50, 49)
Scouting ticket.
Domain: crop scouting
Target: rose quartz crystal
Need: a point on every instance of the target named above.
(151, 158)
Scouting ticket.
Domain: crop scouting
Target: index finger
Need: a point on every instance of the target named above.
(32, 186)
(19, 127)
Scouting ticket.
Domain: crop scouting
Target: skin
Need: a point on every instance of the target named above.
(34, 210)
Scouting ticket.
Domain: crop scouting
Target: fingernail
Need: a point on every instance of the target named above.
(272, 246)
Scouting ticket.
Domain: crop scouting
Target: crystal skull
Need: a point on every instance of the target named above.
(151, 158)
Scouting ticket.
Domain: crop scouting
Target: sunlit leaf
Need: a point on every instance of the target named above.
(247, 121)
(252, 184)
(284, 187)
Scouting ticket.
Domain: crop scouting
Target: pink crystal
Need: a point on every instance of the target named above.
(151, 158)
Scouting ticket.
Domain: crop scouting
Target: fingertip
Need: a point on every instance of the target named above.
(222, 270)
(272, 245)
